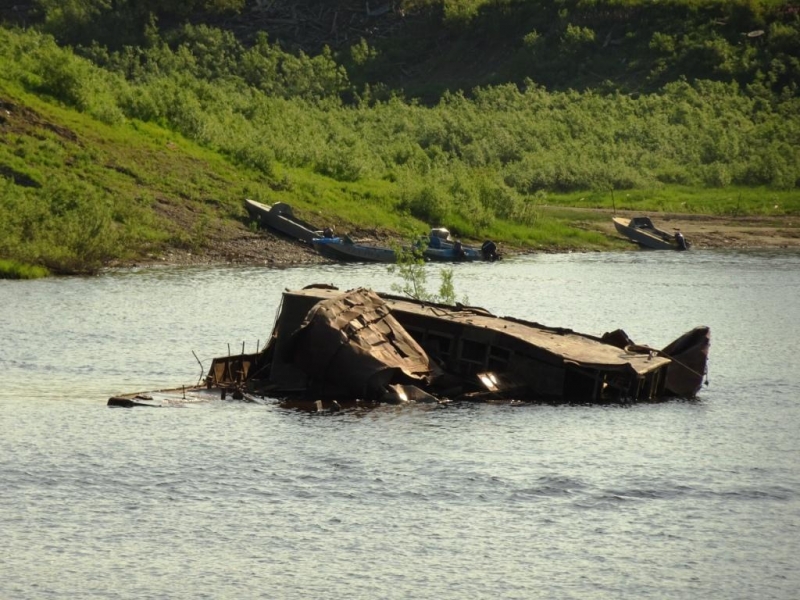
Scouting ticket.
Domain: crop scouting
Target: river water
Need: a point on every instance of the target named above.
(231, 500)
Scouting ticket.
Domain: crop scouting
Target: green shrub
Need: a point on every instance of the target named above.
(10, 269)
(575, 38)
(425, 202)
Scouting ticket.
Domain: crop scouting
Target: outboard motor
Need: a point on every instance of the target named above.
(489, 250)
(681, 241)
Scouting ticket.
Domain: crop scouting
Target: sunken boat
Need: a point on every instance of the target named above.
(333, 349)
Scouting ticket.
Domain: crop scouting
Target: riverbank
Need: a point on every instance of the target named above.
(238, 245)
(706, 231)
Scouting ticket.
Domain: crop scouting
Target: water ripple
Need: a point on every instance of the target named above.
(670, 500)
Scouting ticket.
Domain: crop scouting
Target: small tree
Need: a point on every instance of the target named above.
(411, 268)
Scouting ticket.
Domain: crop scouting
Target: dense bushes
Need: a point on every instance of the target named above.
(625, 45)
(702, 133)
(628, 45)
(65, 226)
(466, 160)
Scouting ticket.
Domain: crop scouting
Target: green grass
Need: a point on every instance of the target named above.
(155, 149)
(733, 201)
(156, 190)
(10, 269)
(96, 193)
(368, 203)
(556, 230)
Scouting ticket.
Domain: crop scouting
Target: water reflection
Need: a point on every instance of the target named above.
(240, 500)
(75, 337)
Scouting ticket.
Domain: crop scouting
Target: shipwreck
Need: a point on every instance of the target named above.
(332, 349)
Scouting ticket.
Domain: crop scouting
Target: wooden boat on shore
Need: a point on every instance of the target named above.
(280, 217)
(355, 345)
(642, 231)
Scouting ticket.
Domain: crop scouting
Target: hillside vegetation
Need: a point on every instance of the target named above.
(116, 117)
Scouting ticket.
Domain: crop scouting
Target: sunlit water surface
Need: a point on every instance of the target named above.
(228, 500)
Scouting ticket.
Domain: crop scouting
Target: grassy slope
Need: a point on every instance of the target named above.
(164, 191)
(139, 169)
(168, 192)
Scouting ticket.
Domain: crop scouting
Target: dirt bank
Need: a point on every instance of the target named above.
(238, 245)
(235, 244)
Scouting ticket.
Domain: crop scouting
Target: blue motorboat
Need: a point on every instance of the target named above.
(438, 247)
(344, 249)
(441, 247)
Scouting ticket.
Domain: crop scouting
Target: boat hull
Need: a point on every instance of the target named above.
(642, 231)
(689, 355)
(280, 217)
(338, 249)
(452, 254)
